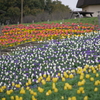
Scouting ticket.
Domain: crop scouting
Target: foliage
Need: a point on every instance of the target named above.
(30, 7)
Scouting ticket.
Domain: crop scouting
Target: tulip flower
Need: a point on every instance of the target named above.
(87, 76)
(54, 80)
(22, 91)
(86, 98)
(55, 90)
(12, 97)
(95, 89)
(62, 97)
(3, 99)
(40, 89)
(91, 79)
(63, 79)
(43, 82)
(71, 76)
(73, 98)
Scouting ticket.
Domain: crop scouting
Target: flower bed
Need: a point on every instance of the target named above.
(26, 71)
(19, 34)
(78, 84)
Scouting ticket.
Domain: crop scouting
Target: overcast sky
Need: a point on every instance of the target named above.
(70, 3)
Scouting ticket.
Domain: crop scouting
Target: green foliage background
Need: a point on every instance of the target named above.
(12, 9)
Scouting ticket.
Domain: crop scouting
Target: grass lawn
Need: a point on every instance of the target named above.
(90, 20)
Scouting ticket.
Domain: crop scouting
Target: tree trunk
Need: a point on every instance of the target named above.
(0, 30)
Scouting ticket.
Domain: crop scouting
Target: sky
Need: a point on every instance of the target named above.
(71, 4)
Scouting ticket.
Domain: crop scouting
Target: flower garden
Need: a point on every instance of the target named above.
(65, 66)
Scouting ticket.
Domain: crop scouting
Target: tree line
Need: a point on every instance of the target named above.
(33, 10)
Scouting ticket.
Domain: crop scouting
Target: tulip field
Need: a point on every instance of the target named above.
(19, 34)
(65, 66)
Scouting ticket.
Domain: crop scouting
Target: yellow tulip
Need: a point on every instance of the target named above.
(33, 98)
(97, 75)
(79, 83)
(72, 71)
(48, 92)
(22, 91)
(13, 84)
(53, 85)
(1, 90)
(73, 98)
(31, 92)
(12, 97)
(48, 79)
(81, 88)
(20, 98)
(87, 76)
(69, 87)
(55, 90)
(78, 91)
(83, 91)
(89, 70)
(59, 74)
(44, 75)
(29, 81)
(66, 84)
(69, 71)
(11, 90)
(81, 77)
(55, 79)
(3, 99)
(17, 86)
(91, 79)
(95, 89)
(63, 79)
(16, 97)
(41, 77)
(69, 98)
(84, 70)
(34, 93)
(94, 71)
(86, 66)
(39, 80)
(65, 87)
(83, 81)
(96, 82)
(3, 87)
(8, 92)
(43, 82)
(40, 89)
(86, 98)
(62, 97)
(27, 88)
(71, 76)
(65, 75)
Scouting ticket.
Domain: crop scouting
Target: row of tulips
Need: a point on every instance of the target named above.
(75, 84)
(15, 35)
(50, 59)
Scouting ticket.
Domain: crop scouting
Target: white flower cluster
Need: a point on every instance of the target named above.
(50, 59)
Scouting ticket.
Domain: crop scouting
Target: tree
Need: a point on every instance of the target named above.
(30, 7)
(48, 6)
(14, 14)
